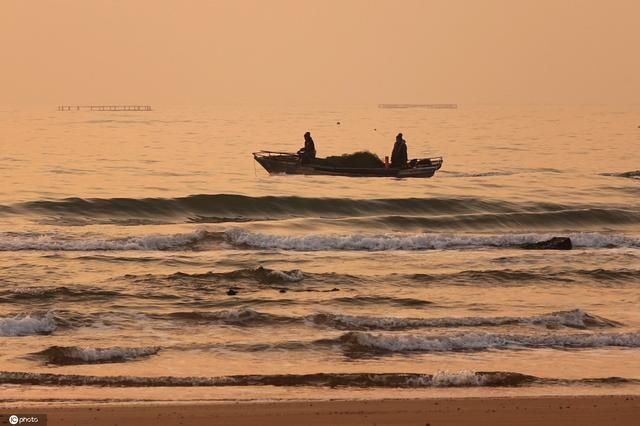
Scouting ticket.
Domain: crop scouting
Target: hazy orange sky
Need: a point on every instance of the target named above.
(321, 51)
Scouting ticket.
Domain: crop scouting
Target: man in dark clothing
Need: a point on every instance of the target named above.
(308, 152)
(399, 155)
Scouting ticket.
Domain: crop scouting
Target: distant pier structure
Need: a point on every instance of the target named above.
(433, 106)
(104, 108)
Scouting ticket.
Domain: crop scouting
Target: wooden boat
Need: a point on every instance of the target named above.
(289, 163)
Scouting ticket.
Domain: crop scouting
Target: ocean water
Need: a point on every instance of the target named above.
(144, 256)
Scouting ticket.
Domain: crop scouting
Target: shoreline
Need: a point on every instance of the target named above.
(513, 410)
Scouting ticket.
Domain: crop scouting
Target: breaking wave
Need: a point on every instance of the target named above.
(441, 379)
(357, 342)
(312, 242)
(27, 325)
(72, 355)
(422, 241)
(573, 319)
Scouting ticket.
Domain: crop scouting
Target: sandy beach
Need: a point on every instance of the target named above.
(580, 410)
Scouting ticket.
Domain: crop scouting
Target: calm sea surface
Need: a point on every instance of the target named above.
(144, 256)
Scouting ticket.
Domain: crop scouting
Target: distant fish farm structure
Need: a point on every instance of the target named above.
(104, 108)
(432, 106)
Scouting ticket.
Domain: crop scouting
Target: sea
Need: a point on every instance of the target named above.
(145, 256)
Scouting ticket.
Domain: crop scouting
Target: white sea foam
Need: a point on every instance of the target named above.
(446, 378)
(483, 341)
(237, 315)
(422, 241)
(291, 276)
(55, 242)
(27, 325)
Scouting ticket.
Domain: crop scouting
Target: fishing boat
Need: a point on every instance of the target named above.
(290, 164)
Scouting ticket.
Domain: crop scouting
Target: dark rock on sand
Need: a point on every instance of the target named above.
(231, 292)
(555, 243)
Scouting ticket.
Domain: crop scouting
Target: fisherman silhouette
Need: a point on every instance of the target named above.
(399, 154)
(308, 152)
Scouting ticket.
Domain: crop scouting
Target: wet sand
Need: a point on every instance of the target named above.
(548, 411)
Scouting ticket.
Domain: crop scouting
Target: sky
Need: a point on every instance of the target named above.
(192, 52)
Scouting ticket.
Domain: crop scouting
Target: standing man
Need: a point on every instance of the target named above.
(399, 155)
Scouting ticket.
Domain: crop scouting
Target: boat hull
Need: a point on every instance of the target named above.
(286, 163)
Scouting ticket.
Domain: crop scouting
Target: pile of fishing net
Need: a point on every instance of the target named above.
(361, 159)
